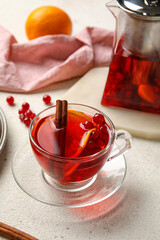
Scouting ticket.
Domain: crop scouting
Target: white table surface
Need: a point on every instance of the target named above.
(137, 216)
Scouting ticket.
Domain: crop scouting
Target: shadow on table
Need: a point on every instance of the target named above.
(65, 85)
(119, 205)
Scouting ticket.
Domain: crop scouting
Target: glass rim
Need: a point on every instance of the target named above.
(79, 159)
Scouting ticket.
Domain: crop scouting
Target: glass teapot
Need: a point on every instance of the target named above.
(134, 76)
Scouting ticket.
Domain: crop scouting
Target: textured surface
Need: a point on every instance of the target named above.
(134, 215)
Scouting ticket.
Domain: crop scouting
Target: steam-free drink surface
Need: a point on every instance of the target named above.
(85, 136)
(47, 136)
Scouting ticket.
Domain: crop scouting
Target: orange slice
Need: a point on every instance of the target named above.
(82, 143)
(76, 136)
(72, 167)
(148, 93)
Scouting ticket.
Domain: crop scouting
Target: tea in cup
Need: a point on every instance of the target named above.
(73, 143)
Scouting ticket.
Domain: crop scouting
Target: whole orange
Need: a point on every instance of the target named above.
(47, 20)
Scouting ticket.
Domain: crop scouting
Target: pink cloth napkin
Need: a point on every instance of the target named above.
(25, 67)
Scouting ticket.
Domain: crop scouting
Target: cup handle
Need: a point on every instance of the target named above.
(121, 149)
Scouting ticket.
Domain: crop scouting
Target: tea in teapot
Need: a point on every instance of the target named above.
(134, 75)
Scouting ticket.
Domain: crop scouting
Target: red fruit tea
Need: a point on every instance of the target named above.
(79, 160)
(133, 82)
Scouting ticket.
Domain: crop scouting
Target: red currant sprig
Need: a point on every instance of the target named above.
(25, 114)
(88, 125)
(100, 136)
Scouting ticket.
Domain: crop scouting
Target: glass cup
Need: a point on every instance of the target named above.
(75, 173)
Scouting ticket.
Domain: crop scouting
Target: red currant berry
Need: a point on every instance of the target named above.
(21, 111)
(94, 135)
(105, 138)
(32, 116)
(10, 100)
(28, 113)
(88, 125)
(27, 121)
(103, 128)
(91, 144)
(46, 99)
(21, 117)
(25, 106)
(98, 118)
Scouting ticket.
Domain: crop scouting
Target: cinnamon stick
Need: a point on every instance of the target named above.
(58, 113)
(14, 233)
(61, 122)
(64, 113)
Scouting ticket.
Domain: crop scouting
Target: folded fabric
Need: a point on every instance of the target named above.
(25, 67)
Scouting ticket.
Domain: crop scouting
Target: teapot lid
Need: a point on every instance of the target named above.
(147, 9)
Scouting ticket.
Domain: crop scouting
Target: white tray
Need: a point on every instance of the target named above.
(89, 90)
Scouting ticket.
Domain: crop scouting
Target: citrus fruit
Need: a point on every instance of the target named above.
(47, 20)
(76, 136)
(148, 93)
